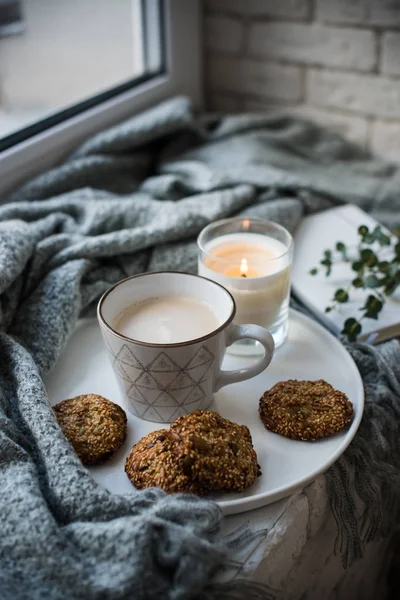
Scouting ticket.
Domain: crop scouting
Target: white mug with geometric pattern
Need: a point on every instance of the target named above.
(161, 382)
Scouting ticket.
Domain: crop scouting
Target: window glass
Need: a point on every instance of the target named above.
(66, 55)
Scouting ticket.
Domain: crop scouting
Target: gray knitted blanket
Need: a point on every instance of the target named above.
(132, 199)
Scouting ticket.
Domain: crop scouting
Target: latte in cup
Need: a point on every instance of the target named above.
(166, 335)
(167, 320)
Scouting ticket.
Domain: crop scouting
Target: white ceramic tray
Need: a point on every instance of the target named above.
(310, 352)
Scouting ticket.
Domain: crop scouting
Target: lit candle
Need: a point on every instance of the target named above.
(255, 268)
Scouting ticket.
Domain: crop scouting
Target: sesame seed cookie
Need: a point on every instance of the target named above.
(216, 453)
(152, 462)
(95, 426)
(305, 410)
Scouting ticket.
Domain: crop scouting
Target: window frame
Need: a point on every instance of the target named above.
(183, 75)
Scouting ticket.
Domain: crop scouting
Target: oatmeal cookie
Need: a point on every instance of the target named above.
(216, 453)
(95, 426)
(305, 410)
(152, 462)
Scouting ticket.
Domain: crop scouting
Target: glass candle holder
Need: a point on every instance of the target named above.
(251, 258)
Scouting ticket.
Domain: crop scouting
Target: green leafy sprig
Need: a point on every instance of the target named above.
(380, 278)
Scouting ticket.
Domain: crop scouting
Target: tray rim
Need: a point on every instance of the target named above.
(265, 498)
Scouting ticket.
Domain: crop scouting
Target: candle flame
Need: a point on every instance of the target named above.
(243, 268)
(246, 224)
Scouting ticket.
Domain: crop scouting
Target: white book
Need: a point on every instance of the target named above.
(320, 232)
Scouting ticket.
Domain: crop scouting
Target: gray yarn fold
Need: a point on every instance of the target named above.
(376, 476)
(370, 467)
(132, 199)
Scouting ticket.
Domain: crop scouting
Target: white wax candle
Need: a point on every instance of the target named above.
(255, 268)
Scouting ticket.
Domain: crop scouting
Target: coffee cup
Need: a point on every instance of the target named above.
(166, 334)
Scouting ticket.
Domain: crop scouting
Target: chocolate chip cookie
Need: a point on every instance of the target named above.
(95, 426)
(216, 453)
(152, 462)
(305, 410)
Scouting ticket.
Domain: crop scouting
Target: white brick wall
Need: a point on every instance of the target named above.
(223, 34)
(385, 13)
(336, 62)
(342, 11)
(369, 95)
(285, 9)
(385, 139)
(256, 77)
(314, 44)
(391, 53)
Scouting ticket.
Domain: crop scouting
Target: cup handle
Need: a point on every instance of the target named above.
(253, 332)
